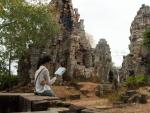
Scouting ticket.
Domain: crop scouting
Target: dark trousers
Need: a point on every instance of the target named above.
(46, 93)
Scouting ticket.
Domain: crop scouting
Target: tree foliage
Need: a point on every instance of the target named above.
(22, 24)
(147, 37)
(8, 81)
(3, 69)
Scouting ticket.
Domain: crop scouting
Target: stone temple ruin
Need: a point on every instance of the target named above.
(72, 48)
(83, 63)
(137, 62)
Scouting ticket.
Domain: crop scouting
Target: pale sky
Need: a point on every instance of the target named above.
(110, 19)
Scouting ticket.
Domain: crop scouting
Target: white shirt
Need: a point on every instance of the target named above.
(43, 75)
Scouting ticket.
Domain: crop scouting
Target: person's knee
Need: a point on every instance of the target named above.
(48, 93)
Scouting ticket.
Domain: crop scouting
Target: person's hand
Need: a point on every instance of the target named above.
(54, 79)
(56, 76)
(43, 82)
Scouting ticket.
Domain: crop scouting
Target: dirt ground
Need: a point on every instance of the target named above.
(106, 106)
(133, 108)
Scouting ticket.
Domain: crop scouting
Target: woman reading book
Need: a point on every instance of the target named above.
(42, 79)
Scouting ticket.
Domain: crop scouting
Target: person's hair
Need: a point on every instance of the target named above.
(43, 60)
(62, 64)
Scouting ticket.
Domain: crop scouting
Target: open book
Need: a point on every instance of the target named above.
(60, 71)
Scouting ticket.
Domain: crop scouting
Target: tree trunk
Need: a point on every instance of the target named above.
(10, 64)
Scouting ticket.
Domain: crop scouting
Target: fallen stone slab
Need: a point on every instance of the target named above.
(76, 109)
(58, 103)
(138, 98)
(103, 107)
(59, 110)
(130, 92)
(62, 104)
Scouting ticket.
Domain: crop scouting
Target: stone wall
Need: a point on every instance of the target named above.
(135, 63)
(73, 48)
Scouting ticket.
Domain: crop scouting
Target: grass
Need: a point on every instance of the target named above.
(116, 94)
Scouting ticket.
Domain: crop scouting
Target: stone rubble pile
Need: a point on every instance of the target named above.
(131, 96)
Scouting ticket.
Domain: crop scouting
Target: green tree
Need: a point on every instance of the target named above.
(3, 69)
(23, 24)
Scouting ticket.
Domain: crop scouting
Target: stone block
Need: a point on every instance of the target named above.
(40, 105)
(76, 109)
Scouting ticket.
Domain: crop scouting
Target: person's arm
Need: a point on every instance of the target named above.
(47, 78)
(43, 82)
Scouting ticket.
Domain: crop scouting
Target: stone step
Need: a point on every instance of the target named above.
(131, 92)
(76, 109)
(24, 102)
(39, 105)
(58, 110)
(51, 110)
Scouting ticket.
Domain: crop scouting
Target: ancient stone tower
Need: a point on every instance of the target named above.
(102, 60)
(72, 48)
(135, 63)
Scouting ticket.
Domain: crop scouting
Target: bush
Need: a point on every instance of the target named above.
(140, 79)
(7, 81)
(116, 94)
(135, 81)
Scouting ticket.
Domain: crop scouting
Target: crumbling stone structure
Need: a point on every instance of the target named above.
(102, 61)
(73, 48)
(136, 62)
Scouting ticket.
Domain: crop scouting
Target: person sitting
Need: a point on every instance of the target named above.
(42, 79)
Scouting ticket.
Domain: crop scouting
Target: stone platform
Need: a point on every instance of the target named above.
(18, 102)
(30, 103)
